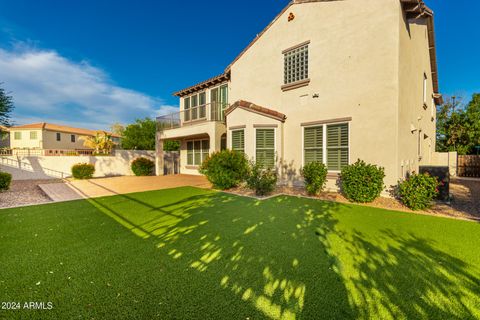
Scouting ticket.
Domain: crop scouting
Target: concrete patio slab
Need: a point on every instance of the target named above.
(100, 187)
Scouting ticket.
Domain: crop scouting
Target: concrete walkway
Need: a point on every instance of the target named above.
(82, 189)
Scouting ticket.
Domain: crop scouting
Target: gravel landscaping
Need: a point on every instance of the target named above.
(25, 192)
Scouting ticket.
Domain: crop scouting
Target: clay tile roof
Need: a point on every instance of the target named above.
(60, 128)
(257, 109)
(204, 84)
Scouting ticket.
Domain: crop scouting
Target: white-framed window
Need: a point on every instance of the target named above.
(72, 138)
(295, 64)
(265, 147)
(238, 140)
(33, 135)
(17, 135)
(327, 143)
(59, 136)
(197, 151)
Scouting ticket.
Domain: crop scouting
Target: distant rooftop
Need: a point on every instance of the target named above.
(60, 128)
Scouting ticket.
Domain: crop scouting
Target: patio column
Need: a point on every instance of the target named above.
(159, 155)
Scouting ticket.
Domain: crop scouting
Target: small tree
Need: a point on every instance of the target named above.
(101, 142)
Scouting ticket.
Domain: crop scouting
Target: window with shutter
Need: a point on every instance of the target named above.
(186, 106)
(197, 151)
(205, 149)
(265, 147)
(313, 144)
(337, 146)
(238, 140)
(190, 153)
(202, 101)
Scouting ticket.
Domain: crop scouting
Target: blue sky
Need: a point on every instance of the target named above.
(92, 63)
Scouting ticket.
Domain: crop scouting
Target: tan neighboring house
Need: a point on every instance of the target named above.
(331, 81)
(48, 136)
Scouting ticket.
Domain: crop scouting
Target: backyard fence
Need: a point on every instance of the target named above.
(469, 166)
(29, 152)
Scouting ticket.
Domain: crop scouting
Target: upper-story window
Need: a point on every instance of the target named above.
(296, 64)
(33, 135)
(72, 138)
(17, 135)
(59, 136)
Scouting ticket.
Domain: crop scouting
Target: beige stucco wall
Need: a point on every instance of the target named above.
(48, 167)
(414, 62)
(25, 141)
(45, 140)
(353, 67)
(50, 141)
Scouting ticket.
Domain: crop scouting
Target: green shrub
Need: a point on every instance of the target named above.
(362, 182)
(262, 180)
(418, 191)
(315, 176)
(143, 166)
(225, 169)
(5, 180)
(83, 170)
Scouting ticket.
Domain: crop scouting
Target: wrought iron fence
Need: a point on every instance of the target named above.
(46, 152)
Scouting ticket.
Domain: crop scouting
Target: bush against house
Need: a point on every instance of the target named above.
(362, 182)
(83, 170)
(225, 169)
(418, 191)
(143, 167)
(315, 176)
(5, 181)
(260, 179)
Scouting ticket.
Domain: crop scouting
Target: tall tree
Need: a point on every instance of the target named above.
(6, 107)
(458, 125)
(139, 135)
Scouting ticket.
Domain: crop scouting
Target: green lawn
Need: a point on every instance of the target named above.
(189, 253)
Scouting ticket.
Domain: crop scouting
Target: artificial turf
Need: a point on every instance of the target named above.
(188, 253)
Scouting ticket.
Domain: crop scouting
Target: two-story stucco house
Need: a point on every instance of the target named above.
(48, 136)
(331, 81)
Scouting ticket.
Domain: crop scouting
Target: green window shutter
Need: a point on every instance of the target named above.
(190, 153)
(205, 149)
(202, 100)
(186, 106)
(238, 140)
(197, 152)
(265, 145)
(313, 144)
(337, 146)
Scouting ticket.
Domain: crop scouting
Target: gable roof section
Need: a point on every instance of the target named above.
(248, 106)
(59, 128)
(414, 9)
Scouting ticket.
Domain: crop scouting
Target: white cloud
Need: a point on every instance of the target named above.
(49, 87)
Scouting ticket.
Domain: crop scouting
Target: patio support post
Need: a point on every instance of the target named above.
(159, 155)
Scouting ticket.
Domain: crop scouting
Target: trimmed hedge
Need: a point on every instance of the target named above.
(5, 181)
(225, 169)
(362, 182)
(143, 167)
(263, 181)
(418, 191)
(315, 176)
(83, 170)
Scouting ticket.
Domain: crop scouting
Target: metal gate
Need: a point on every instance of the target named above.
(469, 166)
(171, 162)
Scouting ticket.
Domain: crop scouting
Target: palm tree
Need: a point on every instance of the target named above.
(101, 141)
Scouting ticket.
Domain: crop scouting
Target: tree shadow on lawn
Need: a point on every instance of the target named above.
(285, 258)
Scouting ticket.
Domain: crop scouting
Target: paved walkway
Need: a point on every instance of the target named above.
(82, 189)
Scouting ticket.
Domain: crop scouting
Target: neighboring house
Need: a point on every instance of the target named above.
(49, 136)
(4, 137)
(331, 81)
